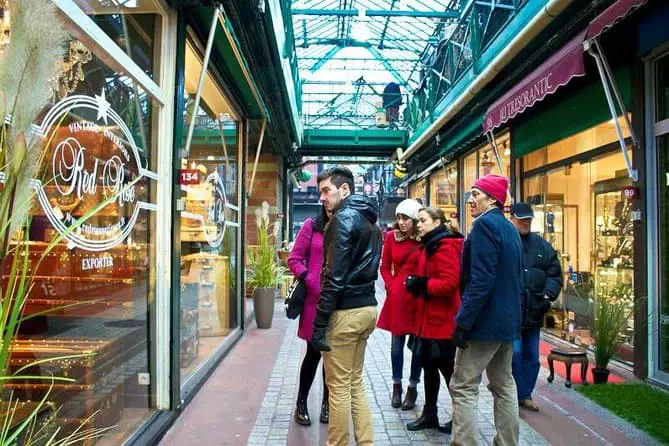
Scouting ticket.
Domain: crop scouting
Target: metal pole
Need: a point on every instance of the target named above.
(225, 146)
(200, 84)
(633, 173)
(493, 144)
(255, 163)
(614, 86)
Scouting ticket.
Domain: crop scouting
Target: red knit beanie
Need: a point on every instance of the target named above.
(494, 186)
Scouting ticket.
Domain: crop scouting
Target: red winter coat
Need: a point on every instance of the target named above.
(399, 260)
(440, 263)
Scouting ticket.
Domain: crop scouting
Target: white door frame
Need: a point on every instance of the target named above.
(163, 123)
(653, 131)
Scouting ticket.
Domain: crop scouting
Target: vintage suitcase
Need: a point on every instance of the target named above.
(100, 369)
(78, 283)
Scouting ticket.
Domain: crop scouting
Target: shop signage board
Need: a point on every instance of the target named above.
(543, 81)
(630, 192)
(215, 220)
(212, 219)
(189, 177)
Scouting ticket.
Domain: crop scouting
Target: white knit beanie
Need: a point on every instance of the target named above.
(409, 207)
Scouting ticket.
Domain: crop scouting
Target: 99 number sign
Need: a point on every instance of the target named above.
(189, 176)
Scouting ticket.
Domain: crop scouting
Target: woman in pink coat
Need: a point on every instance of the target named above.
(305, 262)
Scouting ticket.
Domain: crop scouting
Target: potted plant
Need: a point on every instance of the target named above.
(612, 311)
(284, 252)
(265, 273)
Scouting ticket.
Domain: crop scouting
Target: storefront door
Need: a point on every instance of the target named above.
(209, 227)
(661, 135)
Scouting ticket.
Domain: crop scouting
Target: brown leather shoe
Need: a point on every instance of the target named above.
(529, 405)
(410, 399)
(396, 400)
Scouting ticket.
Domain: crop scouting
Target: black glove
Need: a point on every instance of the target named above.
(318, 340)
(416, 286)
(459, 338)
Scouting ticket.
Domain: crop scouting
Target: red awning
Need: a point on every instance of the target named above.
(612, 15)
(546, 79)
(556, 71)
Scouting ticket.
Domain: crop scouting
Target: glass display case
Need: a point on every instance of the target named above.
(613, 251)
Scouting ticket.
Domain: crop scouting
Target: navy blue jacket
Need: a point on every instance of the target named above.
(491, 280)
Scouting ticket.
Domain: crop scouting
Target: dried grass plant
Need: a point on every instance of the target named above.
(27, 66)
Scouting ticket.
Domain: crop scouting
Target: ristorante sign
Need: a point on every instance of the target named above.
(526, 97)
(94, 166)
(546, 79)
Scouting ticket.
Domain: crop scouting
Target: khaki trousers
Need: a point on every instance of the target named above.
(347, 337)
(495, 358)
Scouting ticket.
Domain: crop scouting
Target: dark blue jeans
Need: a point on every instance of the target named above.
(526, 362)
(397, 361)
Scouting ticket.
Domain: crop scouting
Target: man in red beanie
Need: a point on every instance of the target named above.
(489, 317)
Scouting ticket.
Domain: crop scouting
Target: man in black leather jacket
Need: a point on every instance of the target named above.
(543, 282)
(346, 312)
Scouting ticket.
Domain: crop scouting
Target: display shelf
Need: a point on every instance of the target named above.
(613, 249)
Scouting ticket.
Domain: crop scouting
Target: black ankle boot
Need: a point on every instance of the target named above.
(301, 412)
(396, 401)
(410, 399)
(427, 420)
(446, 428)
(325, 410)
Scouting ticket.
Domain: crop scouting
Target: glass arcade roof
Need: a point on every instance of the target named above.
(348, 52)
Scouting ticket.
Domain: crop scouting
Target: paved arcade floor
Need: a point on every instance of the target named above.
(250, 397)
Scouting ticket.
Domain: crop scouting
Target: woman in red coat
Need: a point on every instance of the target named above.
(399, 260)
(436, 286)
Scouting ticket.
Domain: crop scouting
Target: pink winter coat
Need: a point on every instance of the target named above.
(307, 257)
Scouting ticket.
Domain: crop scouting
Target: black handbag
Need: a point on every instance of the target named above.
(297, 292)
(294, 302)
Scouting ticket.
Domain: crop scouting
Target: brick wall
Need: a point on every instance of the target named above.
(267, 187)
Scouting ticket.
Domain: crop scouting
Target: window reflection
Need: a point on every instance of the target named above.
(93, 292)
(209, 224)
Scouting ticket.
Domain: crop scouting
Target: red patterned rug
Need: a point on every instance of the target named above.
(560, 369)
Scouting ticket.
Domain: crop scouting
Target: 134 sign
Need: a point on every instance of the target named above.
(189, 176)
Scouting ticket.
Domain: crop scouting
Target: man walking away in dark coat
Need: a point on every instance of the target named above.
(543, 282)
(346, 311)
(489, 317)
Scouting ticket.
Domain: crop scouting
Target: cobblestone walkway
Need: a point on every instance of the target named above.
(274, 425)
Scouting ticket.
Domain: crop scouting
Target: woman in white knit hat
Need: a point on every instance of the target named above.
(399, 260)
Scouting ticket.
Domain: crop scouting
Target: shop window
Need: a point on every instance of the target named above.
(133, 24)
(581, 210)
(90, 309)
(483, 162)
(209, 184)
(444, 190)
(597, 136)
(418, 191)
(662, 143)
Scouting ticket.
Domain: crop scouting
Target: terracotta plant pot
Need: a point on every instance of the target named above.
(263, 304)
(283, 255)
(600, 375)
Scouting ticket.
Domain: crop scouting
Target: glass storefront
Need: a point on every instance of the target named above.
(418, 191)
(444, 190)
(91, 243)
(209, 183)
(576, 188)
(482, 162)
(662, 143)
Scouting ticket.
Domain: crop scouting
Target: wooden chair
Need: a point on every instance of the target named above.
(568, 355)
